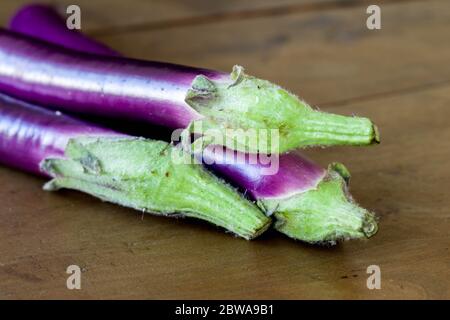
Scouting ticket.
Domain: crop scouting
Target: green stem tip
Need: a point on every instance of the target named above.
(324, 214)
(141, 174)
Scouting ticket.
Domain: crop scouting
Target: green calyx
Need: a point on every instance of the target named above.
(249, 104)
(142, 174)
(325, 214)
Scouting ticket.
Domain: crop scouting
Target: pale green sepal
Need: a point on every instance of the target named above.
(141, 174)
(325, 214)
(247, 103)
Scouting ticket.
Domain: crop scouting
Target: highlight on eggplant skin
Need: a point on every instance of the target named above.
(270, 198)
(29, 134)
(170, 95)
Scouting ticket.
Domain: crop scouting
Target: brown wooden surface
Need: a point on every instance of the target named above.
(399, 76)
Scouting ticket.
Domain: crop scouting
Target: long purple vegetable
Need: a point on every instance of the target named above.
(308, 202)
(202, 101)
(133, 172)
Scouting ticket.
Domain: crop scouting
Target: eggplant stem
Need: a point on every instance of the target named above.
(141, 174)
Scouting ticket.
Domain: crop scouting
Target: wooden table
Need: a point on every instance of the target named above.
(399, 76)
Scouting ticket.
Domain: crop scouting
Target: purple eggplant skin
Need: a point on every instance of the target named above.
(47, 23)
(50, 75)
(30, 134)
(296, 173)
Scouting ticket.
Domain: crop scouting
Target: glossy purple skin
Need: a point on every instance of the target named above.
(122, 88)
(47, 24)
(296, 173)
(29, 134)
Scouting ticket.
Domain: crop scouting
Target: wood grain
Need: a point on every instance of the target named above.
(104, 15)
(397, 76)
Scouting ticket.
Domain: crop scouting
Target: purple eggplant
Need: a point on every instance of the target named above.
(308, 202)
(133, 172)
(30, 134)
(47, 24)
(201, 101)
